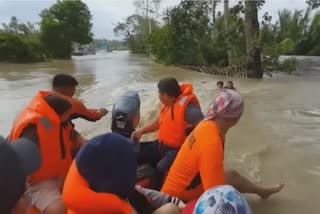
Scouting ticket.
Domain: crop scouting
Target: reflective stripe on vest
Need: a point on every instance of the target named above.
(45, 122)
(183, 100)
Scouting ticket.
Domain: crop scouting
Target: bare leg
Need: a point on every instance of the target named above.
(168, 209)
(243, 185)
(57, 207)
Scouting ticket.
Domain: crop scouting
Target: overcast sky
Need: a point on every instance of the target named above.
(107, 12)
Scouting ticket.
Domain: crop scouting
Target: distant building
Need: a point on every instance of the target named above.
(80, 50)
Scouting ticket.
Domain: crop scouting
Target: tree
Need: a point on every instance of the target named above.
(63, 23)
(226, 26)
(135, 29)
(254, 65)
(187, 37)
(313, 3)
(17, 27)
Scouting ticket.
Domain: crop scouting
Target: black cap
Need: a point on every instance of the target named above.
(18, 160)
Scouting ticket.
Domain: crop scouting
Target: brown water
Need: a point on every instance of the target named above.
(277, 138)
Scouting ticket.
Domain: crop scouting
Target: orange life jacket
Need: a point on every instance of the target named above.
(54, 138)
(172, 124)
(80, 199)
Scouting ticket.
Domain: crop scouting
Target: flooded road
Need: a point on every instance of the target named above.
(277, 138)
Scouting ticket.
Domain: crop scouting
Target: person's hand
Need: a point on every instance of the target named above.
(103, 111)
(136, 135)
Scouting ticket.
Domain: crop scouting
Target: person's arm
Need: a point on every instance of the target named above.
(152, 127)
(80, 110)
(30, 132)
(211, 163)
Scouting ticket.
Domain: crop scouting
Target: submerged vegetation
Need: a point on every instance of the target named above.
(195, 34)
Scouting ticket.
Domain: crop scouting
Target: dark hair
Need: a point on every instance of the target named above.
(220, 83)
(170, 86)
(64, 80)
(59, 104)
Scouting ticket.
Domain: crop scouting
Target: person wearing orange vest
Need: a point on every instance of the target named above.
(101, 179)
(179, 112)
(43, 122)
(202, 154)
(65, 85)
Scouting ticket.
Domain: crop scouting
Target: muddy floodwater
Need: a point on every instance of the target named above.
(277, 138)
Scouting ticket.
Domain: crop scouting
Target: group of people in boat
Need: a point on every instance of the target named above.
(52, 169)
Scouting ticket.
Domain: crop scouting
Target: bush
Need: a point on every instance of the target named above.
(288, 65)
(13, 48)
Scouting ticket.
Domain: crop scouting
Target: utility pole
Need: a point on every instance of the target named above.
(149, 22)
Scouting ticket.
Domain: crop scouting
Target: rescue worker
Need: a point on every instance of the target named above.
(66, 85)
(42, 122)
(202, 155)
(179, 112)
(102, 177)
(18, 160)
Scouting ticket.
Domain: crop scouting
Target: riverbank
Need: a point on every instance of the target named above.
(305, 66)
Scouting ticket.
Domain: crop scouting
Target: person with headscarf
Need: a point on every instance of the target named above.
(199, 163)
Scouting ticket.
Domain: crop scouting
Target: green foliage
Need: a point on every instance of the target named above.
(19, 42)
(187, 37)
(19, 28)
(13, 48)
(193, 35)
(135, 30)
(63, 23)
(288, 65)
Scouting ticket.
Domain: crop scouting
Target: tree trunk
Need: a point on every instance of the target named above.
(226, 27)
(214, 8)
(254, 68)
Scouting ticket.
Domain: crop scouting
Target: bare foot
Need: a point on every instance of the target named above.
(268, 191)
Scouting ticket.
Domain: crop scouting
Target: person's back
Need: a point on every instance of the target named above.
(204, 139)
(42, 121)
(102, 177)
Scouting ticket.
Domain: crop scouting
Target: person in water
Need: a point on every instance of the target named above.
(199, 163)
(43, 122)
(102, 177)
(220, 84)
(230, 85)
(18, 160)
(66, 85)
(179, 113)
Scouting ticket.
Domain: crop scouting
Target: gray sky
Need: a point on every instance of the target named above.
(107, 12)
